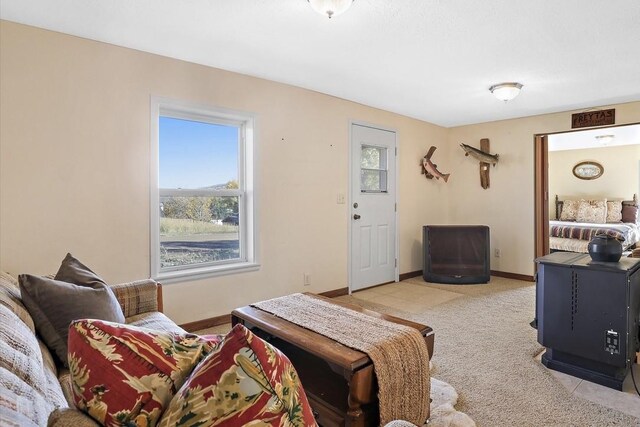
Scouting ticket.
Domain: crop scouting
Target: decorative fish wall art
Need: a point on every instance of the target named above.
(484, 157)
(429, 170)
(480, 155)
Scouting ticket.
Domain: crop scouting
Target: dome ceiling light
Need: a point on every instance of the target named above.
(330, 8)
(506, 91)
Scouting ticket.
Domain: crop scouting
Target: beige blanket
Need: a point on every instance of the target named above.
(399, 353)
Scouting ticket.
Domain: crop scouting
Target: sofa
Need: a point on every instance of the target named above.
(35, 391)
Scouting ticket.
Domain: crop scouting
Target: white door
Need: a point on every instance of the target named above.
(373, 207)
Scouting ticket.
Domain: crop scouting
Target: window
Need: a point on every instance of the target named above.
(202, 220)
(373, 169)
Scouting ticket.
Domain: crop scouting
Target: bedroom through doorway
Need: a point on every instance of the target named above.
(587, 182)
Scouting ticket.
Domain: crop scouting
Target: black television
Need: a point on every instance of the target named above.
(456, 254)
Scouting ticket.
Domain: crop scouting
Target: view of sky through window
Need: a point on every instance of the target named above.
(197, 155)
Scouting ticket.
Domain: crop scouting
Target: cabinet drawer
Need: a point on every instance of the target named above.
(325, 416)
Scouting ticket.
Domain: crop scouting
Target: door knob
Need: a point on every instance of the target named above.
(356, 216)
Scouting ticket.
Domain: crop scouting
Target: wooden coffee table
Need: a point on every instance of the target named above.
(339, 381)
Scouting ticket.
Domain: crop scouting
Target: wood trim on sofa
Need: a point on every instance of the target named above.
(159, 298)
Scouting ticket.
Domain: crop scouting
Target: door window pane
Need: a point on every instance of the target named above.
(373, 169)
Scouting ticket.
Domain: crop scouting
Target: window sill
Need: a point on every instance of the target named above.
(192, 274)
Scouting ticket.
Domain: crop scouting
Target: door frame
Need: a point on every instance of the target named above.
(541, 189)
(541, 195)
(351, 198)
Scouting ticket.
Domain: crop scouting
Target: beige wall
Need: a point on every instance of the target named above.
(621, 178)
(508, 205)
(74, 168)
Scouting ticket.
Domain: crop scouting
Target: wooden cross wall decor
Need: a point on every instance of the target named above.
(484, 156)
(484, 167)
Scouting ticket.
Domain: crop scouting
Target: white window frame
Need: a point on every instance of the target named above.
(247, 226)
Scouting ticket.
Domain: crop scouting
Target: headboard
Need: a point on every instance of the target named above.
(559, 204)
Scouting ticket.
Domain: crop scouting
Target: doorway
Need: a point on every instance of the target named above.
(589, 141)
(372, 211)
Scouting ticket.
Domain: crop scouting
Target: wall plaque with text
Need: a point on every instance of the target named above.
(593, 118)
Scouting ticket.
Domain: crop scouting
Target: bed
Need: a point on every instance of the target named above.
(572, 231)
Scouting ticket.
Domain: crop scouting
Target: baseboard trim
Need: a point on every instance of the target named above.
(411, 274)
(512, 276)
(206, 323)
(335, 293)
(405, 276)
(226, 318)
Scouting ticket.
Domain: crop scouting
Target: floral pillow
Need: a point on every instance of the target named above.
(592, 211)
(569, 210)
(614, 211)
(244, 381)
(124, 375)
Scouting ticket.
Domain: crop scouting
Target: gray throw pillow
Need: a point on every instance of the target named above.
(55, 303)
(73, 271)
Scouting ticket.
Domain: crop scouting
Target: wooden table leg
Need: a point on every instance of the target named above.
(360, 392)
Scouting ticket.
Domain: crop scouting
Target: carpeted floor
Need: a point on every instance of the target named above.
(485, 349)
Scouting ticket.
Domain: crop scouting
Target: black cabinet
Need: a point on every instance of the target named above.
(587, 315)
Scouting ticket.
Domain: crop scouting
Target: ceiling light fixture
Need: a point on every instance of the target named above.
(506, 91)
(330, 8)
(605, 139)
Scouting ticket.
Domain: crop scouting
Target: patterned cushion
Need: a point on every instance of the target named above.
(569, 210)
(592, 211)
(124, 374)
(245, 381)
(19, 350)
(614, 211)
(68, 417)
(156, 321)
(20, 404)
(137, 297)
(15, 304)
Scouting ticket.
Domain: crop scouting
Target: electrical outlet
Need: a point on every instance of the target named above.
(340, 199)
(496, 253)
(307, 279)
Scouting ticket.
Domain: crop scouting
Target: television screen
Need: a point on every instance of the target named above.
(456, 254)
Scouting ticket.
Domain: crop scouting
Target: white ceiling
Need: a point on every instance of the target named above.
(429, 59)
(622, 135)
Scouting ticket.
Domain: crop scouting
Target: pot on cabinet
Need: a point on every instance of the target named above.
(605, 248)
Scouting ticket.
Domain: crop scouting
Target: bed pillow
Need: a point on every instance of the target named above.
(244, 381)
(592, 211)
(126, 375)
(630, 214)
(569, 210)
(614, 211)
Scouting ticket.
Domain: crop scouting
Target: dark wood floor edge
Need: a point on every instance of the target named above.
(512, 276)
(411, 274)
(206, 323)
(335, 293)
